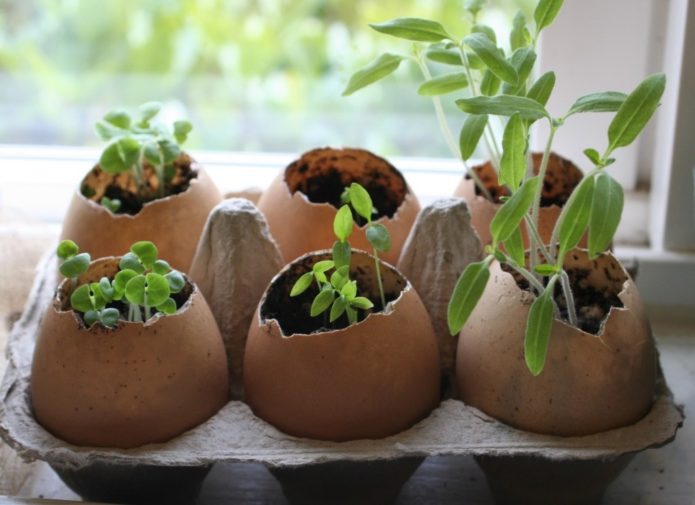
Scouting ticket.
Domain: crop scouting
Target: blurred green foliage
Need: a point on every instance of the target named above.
(251, 75)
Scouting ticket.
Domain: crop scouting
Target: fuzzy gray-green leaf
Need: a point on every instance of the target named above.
(490, 84)
(384, 65)
(519, 36)
(467, 292)
(515, 247)
(503, 105)
(545, 13)
(636, 111)
(574, 218)
(605, 101)
(606, 210)
(472, 130)
(416, 29)
(489, 53)
(523, 60)
(443, 84)
(541, 89)
(513, 162)
(538, 328)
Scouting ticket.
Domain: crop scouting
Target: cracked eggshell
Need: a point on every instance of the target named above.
(132, 385)
(589, 384)
(174, 223)
(369, 380)
(299, 225)
(561, 178)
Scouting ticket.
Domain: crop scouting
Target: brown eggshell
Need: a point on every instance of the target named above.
(300, 226)
(174, 223)
(561, 178)
(369, 380)
(132, 385)
(589, 384)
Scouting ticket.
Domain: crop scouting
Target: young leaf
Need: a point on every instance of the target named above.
(352, 314)
(145, 251)
(349, 290)
(135, 290)
(472, 130)
(490, 84)
(175, 279)
(121, 280)
(113, 205)
(546, 270)
(542, 88)
(513, 162)
(342, 253)
(111, 160)
(468, 290)
(545, 13)
(322, 266)
(606, 210)
(417, 29)
(338, 308)
(361, 201)
(474, 6)
(181, 130)
(128, 150)
(161, 267)
(168, 307)
(302, 284)
(153, 154)
(67, 248)
(487, 51)
(148, 111)
(322, 301)
(515, 247)
(130, 261)
(81, 299)
(503, 105)
(523, 60)
(606, 101)
(443, 84)
(384, 65)
(75, 265)
(574, 217)
(340, 277)
(91, 317)
(342, 223)
(636, 111)
(519, 36)
(170, 150)
(593, 155)
(510, 214)
(106, 289)
(538, 327)
(378, 236)
(360, 302)
(109, 317)
(98, 299)
(156, 289)
(485, 30)
(118, 118)
(107, 131)
(442, 55)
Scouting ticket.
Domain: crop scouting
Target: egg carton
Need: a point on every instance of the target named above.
(360, 471)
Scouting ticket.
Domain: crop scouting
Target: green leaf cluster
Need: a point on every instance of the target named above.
(143, 284)
(136, 140)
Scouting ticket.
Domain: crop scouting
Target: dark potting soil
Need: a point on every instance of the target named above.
(592, 304)
(292, 313)
(322, 175)
(561, 177)
(98, 184)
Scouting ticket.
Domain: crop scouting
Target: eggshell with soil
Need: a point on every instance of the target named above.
(562, 176)
(368, 380)
(302, 201)
(174, 223)
(590, 383)
(132, 385)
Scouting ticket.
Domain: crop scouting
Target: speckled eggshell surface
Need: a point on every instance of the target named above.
(589, 384)
(174, 223)
(132, 385)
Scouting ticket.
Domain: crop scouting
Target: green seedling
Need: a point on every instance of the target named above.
(143, 285)
(73, 263)
(500, 87)
(337, 291)
(132, 141)
(112, 204)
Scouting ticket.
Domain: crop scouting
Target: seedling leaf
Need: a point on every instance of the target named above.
(75, 265)
(146, 252)
(488, 52)
(605, 101)
(168, 307)
(361, 302)
(338, 308)
(606, 210)
(378, 236)
(538, 327)
(472, 130)
(322, 301)
(361, 201)
(468, 290)
(66, 249)
(342, 224)
(545, 13)
(503, 105)
(383, 66)
(443, 84)
(513, 162)
(302, 284)
(574, 217)
(510, 214)
(417, 29)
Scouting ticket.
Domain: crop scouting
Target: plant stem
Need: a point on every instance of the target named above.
(446, 131)
(533, 231)
(569, 298)
(535, 209)
(535, 283)
(378, 279)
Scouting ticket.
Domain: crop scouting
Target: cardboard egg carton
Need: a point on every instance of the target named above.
(441, 244)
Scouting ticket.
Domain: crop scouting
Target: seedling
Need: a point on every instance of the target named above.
(134, 141)
(112, 204)
(338, 292)
(596, 204)
(143, 284)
